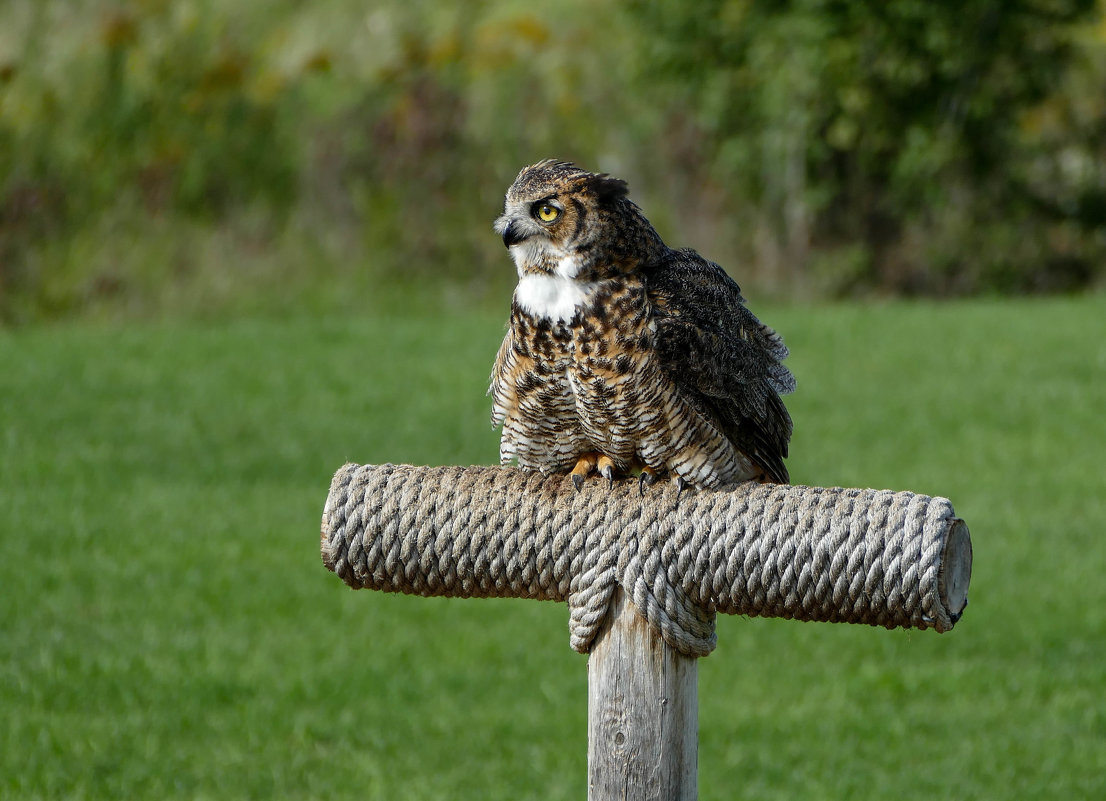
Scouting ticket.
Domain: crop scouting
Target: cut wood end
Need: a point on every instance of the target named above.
(956, 569)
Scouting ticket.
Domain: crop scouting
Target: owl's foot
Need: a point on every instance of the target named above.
(605, 465)
(584, 465)
(649, 477)
(598, 462)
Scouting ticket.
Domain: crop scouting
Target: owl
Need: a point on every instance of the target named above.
(624, 355)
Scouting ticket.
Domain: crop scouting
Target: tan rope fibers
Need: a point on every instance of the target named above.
(807, 553)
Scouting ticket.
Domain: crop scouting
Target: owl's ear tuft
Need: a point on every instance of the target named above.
(607, 189)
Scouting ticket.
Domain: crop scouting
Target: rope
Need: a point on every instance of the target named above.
(803, 553)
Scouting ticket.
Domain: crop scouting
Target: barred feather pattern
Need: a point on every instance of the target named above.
(532, 398)
(565, 389)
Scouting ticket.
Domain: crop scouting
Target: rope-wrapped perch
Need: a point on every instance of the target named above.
(893, 559)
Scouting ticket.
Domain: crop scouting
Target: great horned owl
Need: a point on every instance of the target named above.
(624, 354)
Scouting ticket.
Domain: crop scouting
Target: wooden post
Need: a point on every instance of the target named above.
(643, 714)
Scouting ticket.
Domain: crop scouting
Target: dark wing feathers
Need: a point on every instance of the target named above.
(724, 360)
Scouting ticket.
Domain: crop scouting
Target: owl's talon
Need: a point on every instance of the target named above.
(681, 485)
(605, 467)
(584, 465)
(648, 479)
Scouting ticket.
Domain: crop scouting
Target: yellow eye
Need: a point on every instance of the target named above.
(547, 212)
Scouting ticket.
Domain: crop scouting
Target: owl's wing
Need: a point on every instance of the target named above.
(724, 360)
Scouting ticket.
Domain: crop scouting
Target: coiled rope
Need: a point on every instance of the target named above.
(893, 559)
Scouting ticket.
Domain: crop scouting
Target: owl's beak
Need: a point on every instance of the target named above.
(512, 235)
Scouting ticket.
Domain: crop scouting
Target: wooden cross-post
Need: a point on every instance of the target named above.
(643, 578)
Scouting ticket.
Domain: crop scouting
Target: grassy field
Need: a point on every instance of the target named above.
(167, 629)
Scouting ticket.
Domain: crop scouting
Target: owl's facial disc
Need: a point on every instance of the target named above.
(537, 255)
(521, 221)
(530, 229)
(515, 227)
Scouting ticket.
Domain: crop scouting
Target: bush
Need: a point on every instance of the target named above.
(158, 113)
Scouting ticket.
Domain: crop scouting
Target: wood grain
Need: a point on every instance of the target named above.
(643, 716)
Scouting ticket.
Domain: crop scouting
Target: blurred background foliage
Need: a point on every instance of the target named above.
(197, 156)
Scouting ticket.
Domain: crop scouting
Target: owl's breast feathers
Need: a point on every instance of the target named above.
(564, 385)
(531, 396)
(664, 367)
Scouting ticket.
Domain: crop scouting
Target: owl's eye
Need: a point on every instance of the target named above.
(546, 211)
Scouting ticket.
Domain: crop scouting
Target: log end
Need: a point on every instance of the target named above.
(956, 569)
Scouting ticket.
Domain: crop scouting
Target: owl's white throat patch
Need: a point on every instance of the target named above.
(553, 297)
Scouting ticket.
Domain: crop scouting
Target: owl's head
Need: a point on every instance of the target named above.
(561, 220)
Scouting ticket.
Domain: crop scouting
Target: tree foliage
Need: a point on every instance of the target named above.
(812, 146)
(886, 144)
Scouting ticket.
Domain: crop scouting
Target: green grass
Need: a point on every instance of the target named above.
(168, 631)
